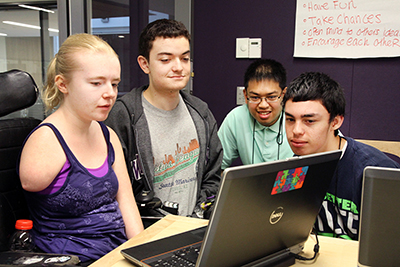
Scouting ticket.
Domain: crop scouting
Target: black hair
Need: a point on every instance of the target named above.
(317, 86)
(165, 28)
(265, 69)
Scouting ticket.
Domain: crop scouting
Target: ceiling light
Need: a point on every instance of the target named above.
(36, 8)
(3, 34)
(27, 25)
(21, 24)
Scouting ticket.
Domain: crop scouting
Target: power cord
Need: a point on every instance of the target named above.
(316, 249)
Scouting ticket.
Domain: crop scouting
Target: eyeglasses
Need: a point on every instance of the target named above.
(269, 99)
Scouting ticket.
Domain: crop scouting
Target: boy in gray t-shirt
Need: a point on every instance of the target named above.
(169, 137)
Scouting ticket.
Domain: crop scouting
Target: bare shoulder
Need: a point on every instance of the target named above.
(42, 158)
(42, 139)
(42, 146)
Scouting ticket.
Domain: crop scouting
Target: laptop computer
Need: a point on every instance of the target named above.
(263, 212)
(380, 220)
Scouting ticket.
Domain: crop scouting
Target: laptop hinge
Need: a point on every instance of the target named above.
(279, 259)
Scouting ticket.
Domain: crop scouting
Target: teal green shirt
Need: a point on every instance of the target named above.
(236, 135)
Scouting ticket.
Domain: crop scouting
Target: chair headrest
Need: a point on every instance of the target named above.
(18, 90)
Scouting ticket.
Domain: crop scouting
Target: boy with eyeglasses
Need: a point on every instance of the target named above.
(314, 108)
(255, 131)
(169, 137)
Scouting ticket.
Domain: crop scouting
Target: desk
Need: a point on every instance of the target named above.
(333, 251)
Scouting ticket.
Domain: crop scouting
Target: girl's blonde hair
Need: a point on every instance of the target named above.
(64, 64)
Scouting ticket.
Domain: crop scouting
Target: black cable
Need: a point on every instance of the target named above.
(279, 137)
(254, 127)
(316, 250)
(335, 206)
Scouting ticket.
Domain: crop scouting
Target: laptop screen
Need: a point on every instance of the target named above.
(379, 224)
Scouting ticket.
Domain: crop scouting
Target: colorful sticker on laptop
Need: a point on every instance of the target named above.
(289, 180)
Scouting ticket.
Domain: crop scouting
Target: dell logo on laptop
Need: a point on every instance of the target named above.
(276, 215)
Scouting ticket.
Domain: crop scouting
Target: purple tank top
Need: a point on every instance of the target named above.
(82, 217)
(62, 176)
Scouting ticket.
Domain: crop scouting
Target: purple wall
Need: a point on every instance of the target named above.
(372, 86)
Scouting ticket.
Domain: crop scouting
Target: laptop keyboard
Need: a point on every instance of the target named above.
(184, 257)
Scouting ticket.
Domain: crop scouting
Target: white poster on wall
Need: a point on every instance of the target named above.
(347, 29)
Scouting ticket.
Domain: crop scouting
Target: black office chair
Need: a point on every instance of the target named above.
(18, 90)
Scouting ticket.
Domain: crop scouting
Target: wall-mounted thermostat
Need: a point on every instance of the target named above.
(248, 47)
(255, 48)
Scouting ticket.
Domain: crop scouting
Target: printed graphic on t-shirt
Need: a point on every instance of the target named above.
(183, 159)
(288, 180)
(341, 215)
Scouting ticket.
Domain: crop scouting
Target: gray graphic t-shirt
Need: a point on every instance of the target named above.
(175, 149)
